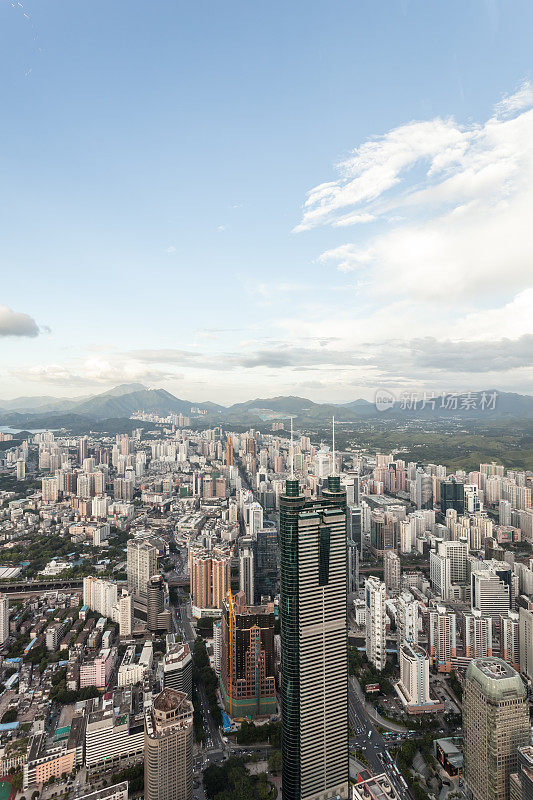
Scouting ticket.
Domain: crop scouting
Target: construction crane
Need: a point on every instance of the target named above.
(231, 649)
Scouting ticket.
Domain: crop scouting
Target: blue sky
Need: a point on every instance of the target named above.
(156, 164)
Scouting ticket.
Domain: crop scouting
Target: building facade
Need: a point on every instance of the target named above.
(168, 740)
(313, 643)
(376, 622)
(495, 725)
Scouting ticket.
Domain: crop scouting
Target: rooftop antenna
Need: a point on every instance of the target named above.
(292, 455)
(334, 466)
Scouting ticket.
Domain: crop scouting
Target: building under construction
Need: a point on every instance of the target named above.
(247, 658)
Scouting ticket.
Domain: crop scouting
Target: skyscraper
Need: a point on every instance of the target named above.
(266, 577)
(247, 568)
(354, 546)
(168, 738)
(442, 638)
(177, 666)
(477, 635)
(158, 619)
(313, 636)
(392, 570)
(495, 724)
(4, 618)
(491, 588)
(413, 685)
(141, 565)
(210, 576)
(406, 619)
(525, 772)
(510, 639)
(376, 619)
(83, 448)
(452, 495)
(229, 451)
(525, 637)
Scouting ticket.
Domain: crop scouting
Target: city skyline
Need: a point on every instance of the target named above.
(355, 222)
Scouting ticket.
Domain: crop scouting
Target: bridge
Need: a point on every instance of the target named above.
(24, 588)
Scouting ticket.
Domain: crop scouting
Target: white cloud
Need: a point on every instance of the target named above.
(15, 323)
(94, 371)
(464, 195)
(376, 166)
(348, 257)
(522, 98)
(512, 320)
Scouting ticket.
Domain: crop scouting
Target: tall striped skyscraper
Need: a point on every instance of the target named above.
(314, 688)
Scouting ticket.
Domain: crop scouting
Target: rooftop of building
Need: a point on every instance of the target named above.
(496, 679)
(108, 791)
(377, 787)
(169, 700)
(526, 756)
(414, 649)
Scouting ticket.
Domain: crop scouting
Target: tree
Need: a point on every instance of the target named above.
(274, 762)
(16, 781)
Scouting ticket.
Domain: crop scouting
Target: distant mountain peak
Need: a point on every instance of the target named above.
(124, 388)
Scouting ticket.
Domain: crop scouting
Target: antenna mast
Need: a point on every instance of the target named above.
(292, 455)
(334, 465)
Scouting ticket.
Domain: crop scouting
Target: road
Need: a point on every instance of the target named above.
(372, 713)
(214, 738)
(370, 742)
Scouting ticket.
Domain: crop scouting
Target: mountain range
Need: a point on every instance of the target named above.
(126, 399)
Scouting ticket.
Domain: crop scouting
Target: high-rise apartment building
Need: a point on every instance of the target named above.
(447, 565)
(123, 613)
(313, 643)
(376, 622)
(423, 490)
(477, 635)
(406, 619)
(525, 621)
(247, 568)
(210, 574)
(442, 638)
(393, 572)
(413, 686)
(83, 448)
(509, 639)
(100, 595)
(247, 658)
(141, 565)
(495, 725)
(229, 451)
(168, 740)
(4, 618)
